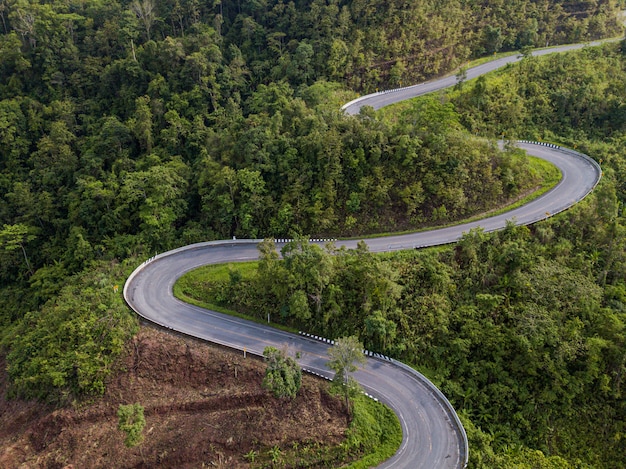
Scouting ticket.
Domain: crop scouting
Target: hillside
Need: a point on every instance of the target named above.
(128, 128)
(522, 329)
(203, 405)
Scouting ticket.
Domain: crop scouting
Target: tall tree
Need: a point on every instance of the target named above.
(345, 356)
(310, 270)
(145, 11)
(14, 237)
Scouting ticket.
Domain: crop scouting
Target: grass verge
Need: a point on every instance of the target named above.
(376, 429)
(194, 288)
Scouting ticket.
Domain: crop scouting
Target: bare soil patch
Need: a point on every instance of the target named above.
(204, 407)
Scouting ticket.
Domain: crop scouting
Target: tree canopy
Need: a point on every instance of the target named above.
(132, 127)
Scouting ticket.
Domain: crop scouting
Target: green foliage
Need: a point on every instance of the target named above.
(128, 129)
(131, 421)
(344, 357)
(283, 376)
(556, 303)
(510, 326)
(528, 100)
(251, 455)
(516, 456)
(13, 237)
(326, 290)
(68, 347)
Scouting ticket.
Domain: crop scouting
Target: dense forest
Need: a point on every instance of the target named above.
(129, 128)
(524, 330)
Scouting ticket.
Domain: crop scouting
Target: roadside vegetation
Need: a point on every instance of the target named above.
(375, 430)
(131, 127)
(522, 329)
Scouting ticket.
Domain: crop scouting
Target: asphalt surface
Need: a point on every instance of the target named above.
(432, 435)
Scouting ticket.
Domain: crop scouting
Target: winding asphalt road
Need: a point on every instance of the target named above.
(433, 437)
(385, 98)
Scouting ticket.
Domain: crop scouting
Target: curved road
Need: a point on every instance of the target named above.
(385, 98)
(433, 437)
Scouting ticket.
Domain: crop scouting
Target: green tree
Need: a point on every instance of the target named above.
(492, 39)
(299, 305)
(55, 161)
(283, 376)
(381, 330)
(310, 270)
(145, 12)
(142, 124)
(300, 69)
(345, 356)
(14, 237)
(132, 422)
(234, 200)
(154, 200)
(271, 277)
(66, 349)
